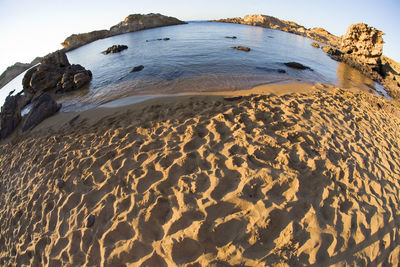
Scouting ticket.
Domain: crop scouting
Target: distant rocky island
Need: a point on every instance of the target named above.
(131, 23)
(360, 47)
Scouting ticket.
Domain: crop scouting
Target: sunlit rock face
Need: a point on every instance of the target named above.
(363, 43)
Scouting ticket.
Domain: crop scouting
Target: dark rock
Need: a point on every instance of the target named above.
(10, 115)
(231, 37)
(242, 48)
(314, 44)
(281, 71)
(55, 72)
(296, 65)
(90, 220)
(42, 108)
(60, 183)
(115, 49)
(137, 68)
(74, 77)
(234, 98)
(165, 39)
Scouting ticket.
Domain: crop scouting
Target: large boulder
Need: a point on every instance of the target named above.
(42, 108)
(10, 115)
(55, 71)
(363, 43)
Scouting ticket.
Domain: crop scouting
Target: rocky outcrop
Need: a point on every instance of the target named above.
(55, 72)
(13, 71)
(73, 78)
(132, 23)
(42, 108)
(10, 115)
(363, 43)
(115, 49)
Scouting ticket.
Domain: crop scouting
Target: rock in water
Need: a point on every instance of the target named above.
(333, 52)
(296, 65)
(137, 68)
(42, 108)
(363, 43)
(242, 48)
(231, 37)
(90, 220)
(10, 115)
(115, 49)
(314, 44)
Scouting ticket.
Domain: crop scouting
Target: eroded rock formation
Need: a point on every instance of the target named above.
(132, 23)
(363, 43)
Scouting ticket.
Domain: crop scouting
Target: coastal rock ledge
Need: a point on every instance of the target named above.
(131, 23)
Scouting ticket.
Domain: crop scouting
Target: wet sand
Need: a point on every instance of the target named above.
(306, 176)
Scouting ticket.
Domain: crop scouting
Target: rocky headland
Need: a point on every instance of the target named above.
(131, 23)
(361, 47)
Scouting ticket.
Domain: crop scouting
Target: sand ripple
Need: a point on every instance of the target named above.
(298, 179)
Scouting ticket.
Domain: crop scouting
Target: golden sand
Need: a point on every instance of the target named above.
(306, 178)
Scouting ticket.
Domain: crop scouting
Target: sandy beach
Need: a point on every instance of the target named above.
(286, 175)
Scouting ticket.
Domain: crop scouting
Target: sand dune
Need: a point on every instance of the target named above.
(298, 179)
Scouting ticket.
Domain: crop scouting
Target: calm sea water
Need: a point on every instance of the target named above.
(198, 57)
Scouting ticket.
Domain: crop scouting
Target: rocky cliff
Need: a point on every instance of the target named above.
(317, 34)
(132, 23)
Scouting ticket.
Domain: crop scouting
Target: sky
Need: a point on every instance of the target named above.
(31, 28)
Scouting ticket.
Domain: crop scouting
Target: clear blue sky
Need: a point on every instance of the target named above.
(30, 28)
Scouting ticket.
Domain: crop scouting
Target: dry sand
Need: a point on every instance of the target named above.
(295, 179)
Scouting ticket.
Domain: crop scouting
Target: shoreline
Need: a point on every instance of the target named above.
(140, 102)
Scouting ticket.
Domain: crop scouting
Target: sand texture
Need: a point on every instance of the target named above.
(291, 180)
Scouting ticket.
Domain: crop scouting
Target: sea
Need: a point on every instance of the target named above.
(198, 57)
